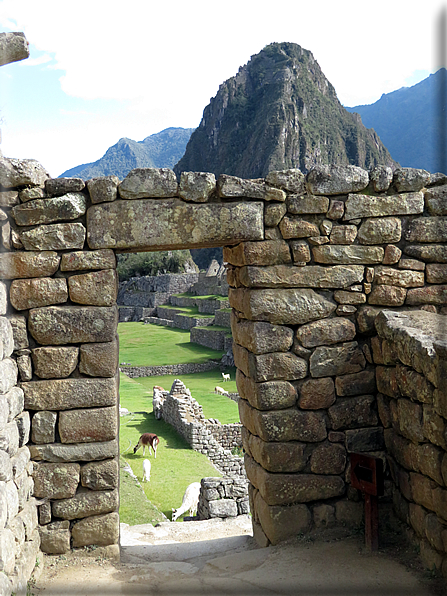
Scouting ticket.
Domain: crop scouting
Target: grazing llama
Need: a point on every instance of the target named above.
(190, 501)
(146, 470)
(147, 440)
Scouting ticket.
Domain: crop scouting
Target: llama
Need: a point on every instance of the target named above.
(146, 470)
(220, 391)
(190, 501)
(226, 377)
(147, 440)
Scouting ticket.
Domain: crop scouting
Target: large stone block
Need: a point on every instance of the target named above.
(388, 295)
(15, 401)
(333, 254)
(42, 291)
(172, 224)
(277, 457)
(55, 480)
(103, 189)
(6, 338)
(364, 439)
(356, 383)
(433, 253)
(326, 332)
(90, 425)
(102, 475)
(336, 179)
(292, 180)
(16, 265)
(379, 230)
(328, 458)
(268, 252)
(44, 427)
(311, 276)
(398, 277)
(44, 211)
(86, 503)
(353, 412)
(272, 395)
(149, 182)
(280, 523)
(58, 236)
(316, 394)
(101, 530)
(197, 186)
(232, 187)
(21, 172)
(357, 206)
(285, 489)
(428, 295)
(92, 259)
(99, 360)
(99, 288)
(260, 337)
(55, 538)
(66, 394)
(59, 325)
(306, 204)
(54, 362)
(283, 425)
(281, 306)
(295, 227)
(338, 360)
(56, 452)
(427, 229)
(8, 375)
(19, 332)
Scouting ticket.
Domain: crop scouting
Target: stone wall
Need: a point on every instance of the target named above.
(223, 497)
(411, 358)
(169, 369)
(312, 261)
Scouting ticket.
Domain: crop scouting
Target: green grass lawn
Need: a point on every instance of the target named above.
(176, 465)
(153, 345)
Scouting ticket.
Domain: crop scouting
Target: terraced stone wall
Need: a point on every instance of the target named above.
(312, 261)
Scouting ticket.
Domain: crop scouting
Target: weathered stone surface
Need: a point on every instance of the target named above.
(427, 229)
(13, 47)
(45, 211)
(292, 180)
(55, 538)
(379, 230)
(353, 412)
(5, 472)
(283, 425)
(58, 236)
(434, 429)
(60, 186)
(436, 253)
(343, 234)
(345, 297)
(336, 180)
(55, 481)
(286, 276)
(90, 425)
(3, 298)
(54, 362)
(99, 288)
(410, 179)
(435, 200)
(103, 189)
(268, 367)
(6, 337)
(63, 394)
(436, 273)
(273, 213)
(32, 193)
(364, 439)
(272, 395)
(281, 306)
(16, 265)
(9, 198)
(304, 204)
(149, 182)
(99, 360)
(93, 259)
(414, 385)
(397, 277)
(97, 529)
(336, 210)
(412, 264)
(86, 503)
(300, 251)
(57, 452)
(15, 400)
(386, 379)
(428, 295)
(23, 426)
(102, 475)
(381, 178)
(196, 186)
(338, 360)
(21, 172)
(328, 458)
(170, 223)
(232, 187)
(357, 206)
(387, 295)
(280, 523)
(268, 252)
(260, 337)
(25, 367)
(276, 457)
(7, 551)
(410, 420)
(8, 375)
(316, 394)
(44, 427)
(282, 489)
(223, 508)
(295, 227)
(326, 332)
(73, 324)
(392, 255)
(348, 254)
(41, 291)
(356, 384)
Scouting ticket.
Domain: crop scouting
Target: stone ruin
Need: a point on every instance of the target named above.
(338, 285)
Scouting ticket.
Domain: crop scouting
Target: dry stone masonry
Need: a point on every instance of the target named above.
(311, 262)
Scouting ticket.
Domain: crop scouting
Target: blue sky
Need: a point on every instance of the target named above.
(102, 70)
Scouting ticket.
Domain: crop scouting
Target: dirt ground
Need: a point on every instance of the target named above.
(216, 558)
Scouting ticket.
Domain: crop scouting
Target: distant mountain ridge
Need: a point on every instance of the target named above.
(160, 150)
(278, 112)
(412, 122)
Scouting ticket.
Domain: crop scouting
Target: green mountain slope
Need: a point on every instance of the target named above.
(161, 150)
(412, 122)
(279, 112)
